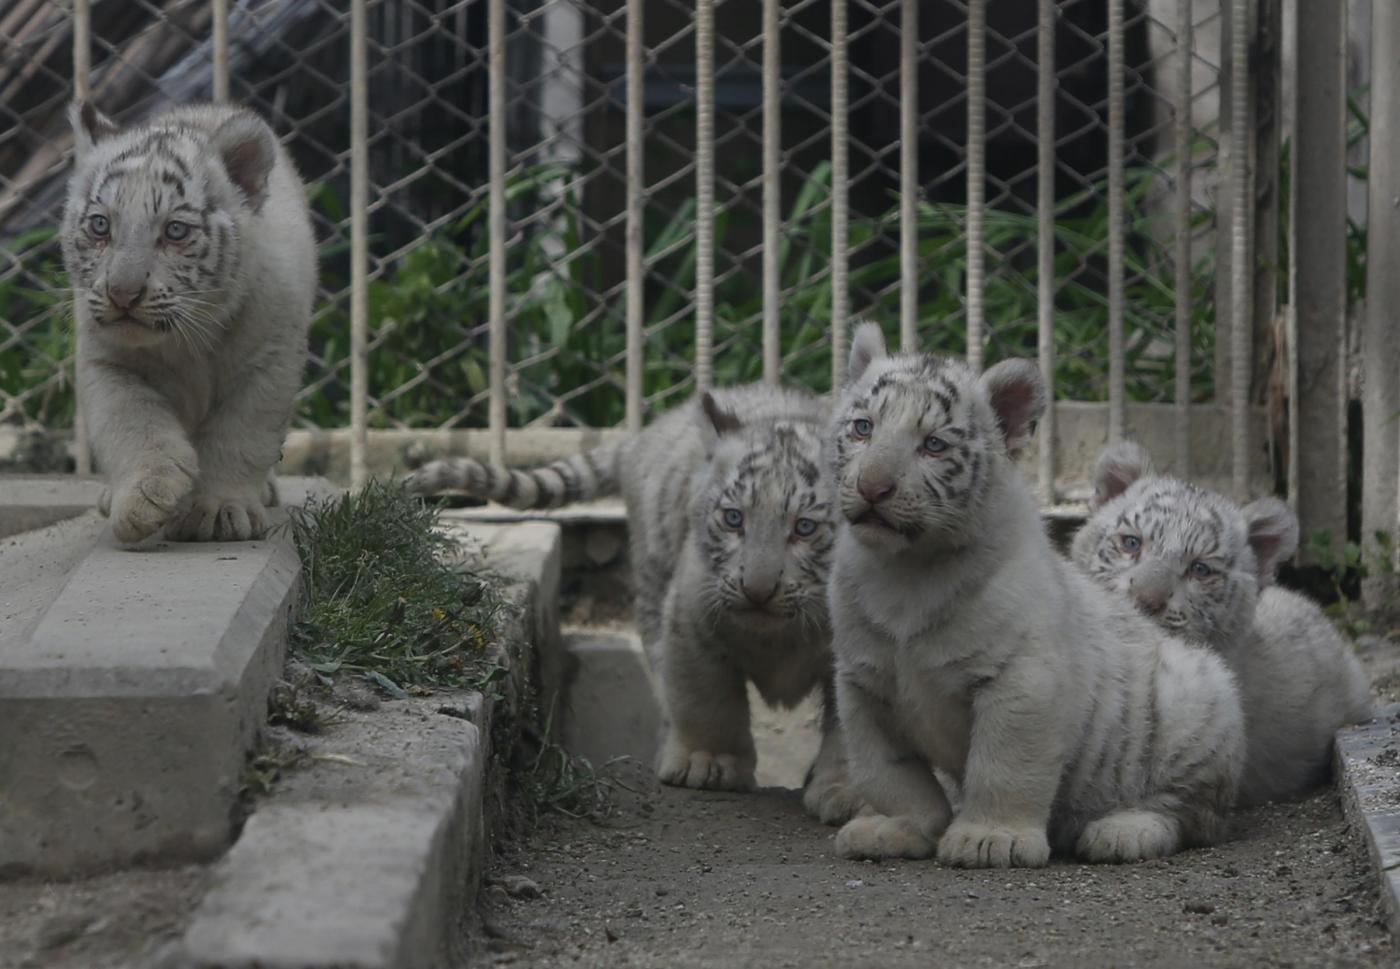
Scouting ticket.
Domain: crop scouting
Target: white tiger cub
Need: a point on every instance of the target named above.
(964, 642)
(1203, 568)
(189, 247)
(730, 526)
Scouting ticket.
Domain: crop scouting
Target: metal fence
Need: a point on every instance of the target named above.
(574, 212)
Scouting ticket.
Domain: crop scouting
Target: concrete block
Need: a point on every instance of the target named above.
(610, 707)
(1367, 774)
(366, 858)
(130, 689)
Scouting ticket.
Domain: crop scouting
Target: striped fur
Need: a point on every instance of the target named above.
(189, 247)
(964, 642)
(753, 452)
(1203, 567)
(581, 477)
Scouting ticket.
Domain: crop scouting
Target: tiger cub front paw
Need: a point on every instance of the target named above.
(830, 798)
(702, 769)
(147, 499)
(220, 518)
(873, 837)
(973, 844)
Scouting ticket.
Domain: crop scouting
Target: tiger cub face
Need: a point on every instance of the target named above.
(1191, 559)
(153, 229)
(763, 519)
(918, 440)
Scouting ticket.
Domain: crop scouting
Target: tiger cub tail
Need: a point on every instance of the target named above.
(581, 477)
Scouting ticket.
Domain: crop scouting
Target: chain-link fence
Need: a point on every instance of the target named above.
(566, 277)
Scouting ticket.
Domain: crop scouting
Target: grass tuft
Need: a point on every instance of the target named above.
(380, 601)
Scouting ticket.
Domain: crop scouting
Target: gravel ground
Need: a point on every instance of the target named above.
(680, 878)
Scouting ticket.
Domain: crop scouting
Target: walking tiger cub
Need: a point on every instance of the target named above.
(730, 526)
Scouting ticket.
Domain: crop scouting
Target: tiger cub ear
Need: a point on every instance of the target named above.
(867, 345)
(1017, 395)
(1118, 467)
(717, 421)
(1273, 535)
(89, 127)
(248, 150)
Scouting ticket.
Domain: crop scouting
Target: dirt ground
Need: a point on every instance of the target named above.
(680, 879)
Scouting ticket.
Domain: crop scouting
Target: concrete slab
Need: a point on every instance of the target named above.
(28, 502)
(611, 708)
(130, 690)
(364, 859)
(1368, 777)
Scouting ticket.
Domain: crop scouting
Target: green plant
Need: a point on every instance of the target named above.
(1344, 566)
(42, 312)
(380, 603)
(428, 312)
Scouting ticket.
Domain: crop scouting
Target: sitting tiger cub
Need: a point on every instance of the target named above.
(730, 529)
(1203, 568)
(964, 642)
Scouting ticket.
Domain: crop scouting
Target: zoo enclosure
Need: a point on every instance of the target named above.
(568, 213)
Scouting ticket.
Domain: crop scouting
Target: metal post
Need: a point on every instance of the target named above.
(219, 19)
(840, 195)
(976, 175)
(1117, 390)
(496, 268)
(1318, 243)
(1181, 131)
(704, 192)
(1241, 278)
(1045, 245)
(1380, 335)
(359, 245)
(908, 174)
(772, 188)
(82, 90)
(636, 203)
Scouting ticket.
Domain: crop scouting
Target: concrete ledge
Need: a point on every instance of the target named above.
(369, 858)
(1368, 778)
(611, 708)
(131, 685)
(28, 502)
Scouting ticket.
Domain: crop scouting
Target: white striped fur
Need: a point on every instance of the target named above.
(189, 247)
(964, 642)
(724, 494)
(1203, 567)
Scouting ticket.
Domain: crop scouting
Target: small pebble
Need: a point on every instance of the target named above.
(521, 887)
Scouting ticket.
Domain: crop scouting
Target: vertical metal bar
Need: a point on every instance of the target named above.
(1241, 279)
(1266, 209)
(976, 175)
(1181, 423)
(1117, 391)
(704, 192)
(1045, 211)
(1380, 337)
(359, 245)
(496, 124)
(772, 188)
(908, 174)
(82, 90)
(636, 202)
(219, 20)
(840, 194)
(1318, 240)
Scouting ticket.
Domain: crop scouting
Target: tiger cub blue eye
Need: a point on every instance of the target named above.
(805, 528)
(99, 226)
(1201, 571)
(177, 231)
(934, 444)
(733, 517)
(862, 427)
(1131, 542)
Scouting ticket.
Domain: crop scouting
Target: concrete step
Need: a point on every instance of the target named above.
(371, 856)
(132, 681)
